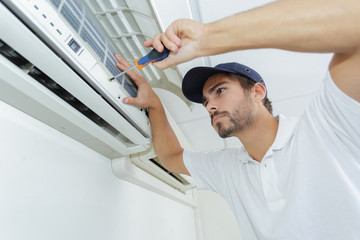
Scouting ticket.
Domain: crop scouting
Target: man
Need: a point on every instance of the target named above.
(293, 179)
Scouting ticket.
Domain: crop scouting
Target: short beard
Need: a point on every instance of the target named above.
(240, 121)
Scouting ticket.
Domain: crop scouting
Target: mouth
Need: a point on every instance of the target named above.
(216, 116)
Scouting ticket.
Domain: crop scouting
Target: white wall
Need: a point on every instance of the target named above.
(52, 187)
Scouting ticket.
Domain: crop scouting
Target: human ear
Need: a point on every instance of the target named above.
(260, 92)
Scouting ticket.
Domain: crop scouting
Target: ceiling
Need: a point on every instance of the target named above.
(291, 78)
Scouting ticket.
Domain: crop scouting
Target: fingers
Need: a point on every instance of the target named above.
(173, 34)
(164, 63)
(133, 101)
(170, 41)
(149, 43)
(145, 94)
(123, 65)
(160, 40)
(157, 42)
(130, 100)
(170, 61)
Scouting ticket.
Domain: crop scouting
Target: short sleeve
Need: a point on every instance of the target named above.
(205, 168)
(340, 112)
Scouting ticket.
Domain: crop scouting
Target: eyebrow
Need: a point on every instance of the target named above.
(211, 90)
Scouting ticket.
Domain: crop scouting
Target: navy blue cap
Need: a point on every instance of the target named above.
(194, 80)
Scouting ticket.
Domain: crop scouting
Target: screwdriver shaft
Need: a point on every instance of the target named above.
(122, 73)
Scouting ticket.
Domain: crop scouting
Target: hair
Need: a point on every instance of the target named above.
(247, 84)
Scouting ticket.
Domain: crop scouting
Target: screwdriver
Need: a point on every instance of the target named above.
(152, 56)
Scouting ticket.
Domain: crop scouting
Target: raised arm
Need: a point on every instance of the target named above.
(166, 145)
(296, 25)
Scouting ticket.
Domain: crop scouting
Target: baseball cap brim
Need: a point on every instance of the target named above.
(194, 82)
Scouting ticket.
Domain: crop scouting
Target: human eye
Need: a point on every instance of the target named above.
(219, 90)
(204, 101)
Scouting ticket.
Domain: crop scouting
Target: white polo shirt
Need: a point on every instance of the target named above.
(307, 186)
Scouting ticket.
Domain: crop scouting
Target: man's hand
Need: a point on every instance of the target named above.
(166, 145)
(182, 38)
(146, 97)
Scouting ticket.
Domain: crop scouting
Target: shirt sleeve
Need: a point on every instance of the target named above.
(339, 112)
(205, 168)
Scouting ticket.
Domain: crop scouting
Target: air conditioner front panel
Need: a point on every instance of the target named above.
(19, 37)
(79, 56)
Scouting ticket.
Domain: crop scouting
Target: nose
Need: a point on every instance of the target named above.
(211, 107)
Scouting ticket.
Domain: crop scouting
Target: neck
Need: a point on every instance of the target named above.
(258, 139)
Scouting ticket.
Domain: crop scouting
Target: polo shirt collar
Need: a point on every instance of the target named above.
(285, 131)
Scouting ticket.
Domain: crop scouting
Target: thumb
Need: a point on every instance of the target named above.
(130, 101)
(163, 64)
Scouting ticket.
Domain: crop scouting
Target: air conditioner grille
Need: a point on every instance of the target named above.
(81, 20)
(128, 25)
(56, 2)
(73, 21)
(76, 6)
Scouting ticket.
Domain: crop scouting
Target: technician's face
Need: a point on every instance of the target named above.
(229, 106)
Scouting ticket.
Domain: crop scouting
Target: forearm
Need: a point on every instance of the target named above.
(297, 25)
(165, 142)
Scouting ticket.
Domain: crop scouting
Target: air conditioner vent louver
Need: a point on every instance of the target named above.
(176, 176)
(50, 84)
(12, 55)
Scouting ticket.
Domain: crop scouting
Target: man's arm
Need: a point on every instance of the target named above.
(295, 25)
(165, 142)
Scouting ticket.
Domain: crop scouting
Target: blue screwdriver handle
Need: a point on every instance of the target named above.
(152, 56)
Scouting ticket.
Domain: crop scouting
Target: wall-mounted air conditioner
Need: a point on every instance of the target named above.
(56, 57)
